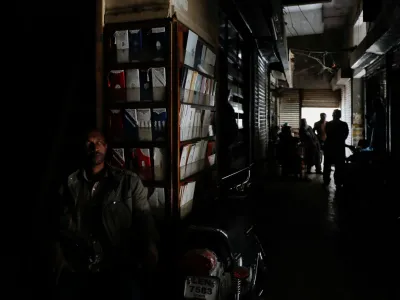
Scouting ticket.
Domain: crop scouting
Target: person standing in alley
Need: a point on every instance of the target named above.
(287, 152)
(320, 130)
(311, 147)
(337, 132)
(378, 124)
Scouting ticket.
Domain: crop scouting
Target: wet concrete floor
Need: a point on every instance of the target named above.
(311, 253)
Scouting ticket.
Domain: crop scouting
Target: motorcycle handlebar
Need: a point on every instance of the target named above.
(238, 172)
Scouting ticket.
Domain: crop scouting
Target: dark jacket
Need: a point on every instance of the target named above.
(125, 214)
(336, 134)
(318, 128)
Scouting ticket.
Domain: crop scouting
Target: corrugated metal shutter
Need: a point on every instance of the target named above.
(396, 59)
(289, 108)
(321, 98)
(346, 109)
(260, 109)
(378, 65)
(273, 117)
(278, 112)
(272, 113)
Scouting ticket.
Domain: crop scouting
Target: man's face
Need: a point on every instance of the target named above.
(96, 148)
(323, 117)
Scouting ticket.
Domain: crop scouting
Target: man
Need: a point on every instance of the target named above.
(287, 152)
(107, 233)
(319, 128)
(337, 132)
(229, 135)
(320, 131)
(378, 125)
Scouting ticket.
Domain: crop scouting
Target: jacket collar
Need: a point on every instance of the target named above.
(78, 177)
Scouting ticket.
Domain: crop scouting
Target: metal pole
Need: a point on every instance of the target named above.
(100, 10)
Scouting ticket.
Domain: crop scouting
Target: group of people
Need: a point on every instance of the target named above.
(325, 139)
(104, 223)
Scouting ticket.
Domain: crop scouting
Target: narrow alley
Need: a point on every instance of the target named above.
(310, 255)
(178, 149)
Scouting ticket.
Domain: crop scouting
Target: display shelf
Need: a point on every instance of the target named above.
(192, 141)
(145, 66)
(134, 65)
(197, 106)
(236, 152)
(137, 144)
(195, 176)
(208, 107)
(122, 105)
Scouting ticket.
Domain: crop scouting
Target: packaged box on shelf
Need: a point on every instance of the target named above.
(201, 16)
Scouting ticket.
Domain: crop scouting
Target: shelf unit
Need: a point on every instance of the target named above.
(233, 46)
(156, 73)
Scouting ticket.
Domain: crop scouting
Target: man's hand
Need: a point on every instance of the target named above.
(151, 259)
(64, 267)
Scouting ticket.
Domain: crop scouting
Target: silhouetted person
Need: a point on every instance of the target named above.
(106, 234)
(229, 135)
(337, 132)
(311, 147)
(274, 133)
(287, 152)
(320, 130)
(378, 124)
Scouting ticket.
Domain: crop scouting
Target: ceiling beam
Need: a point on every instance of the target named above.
(303, 2)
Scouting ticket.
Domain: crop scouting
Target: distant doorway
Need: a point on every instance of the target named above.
(312, 114)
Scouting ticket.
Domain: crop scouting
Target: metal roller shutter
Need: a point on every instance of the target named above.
(346, 109)
(378, 65)
(396, 59)
(321, 98)
(273, 102)
(260, 109)
(289, 108)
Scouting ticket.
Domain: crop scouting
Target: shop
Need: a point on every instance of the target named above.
(376, 90)
(373, 63)
(184, 94)
(235, 96)
(347, 113)
(393, 94)
(158, 98)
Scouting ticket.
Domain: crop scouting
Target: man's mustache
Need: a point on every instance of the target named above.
(91, 153)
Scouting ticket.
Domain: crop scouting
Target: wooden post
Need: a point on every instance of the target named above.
(100, 10)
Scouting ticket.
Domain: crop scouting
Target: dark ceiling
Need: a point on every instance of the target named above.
(257, 18)
(303, 2)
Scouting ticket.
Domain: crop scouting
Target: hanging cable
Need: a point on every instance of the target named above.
(287, 27)
(318, 60)
(291, 21)
(323, 51)
(306, 19)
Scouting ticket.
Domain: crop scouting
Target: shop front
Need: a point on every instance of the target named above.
(373, 63)
(376, 105)
(393, 96)
(184, 93)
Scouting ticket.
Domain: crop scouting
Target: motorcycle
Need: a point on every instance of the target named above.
(220, 262)
(363, 167)
(212, 269)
